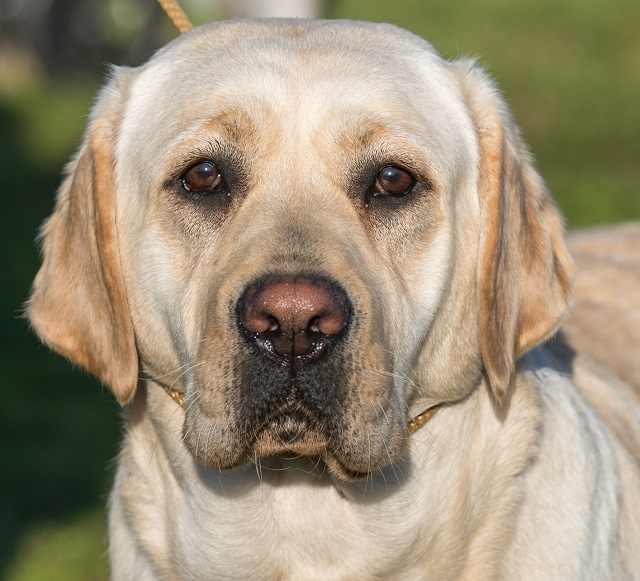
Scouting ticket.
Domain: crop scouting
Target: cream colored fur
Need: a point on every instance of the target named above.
(530, 469)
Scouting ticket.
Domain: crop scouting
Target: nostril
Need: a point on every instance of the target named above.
(314, 326)
(330, 323)
(256, 322)
(255, 315)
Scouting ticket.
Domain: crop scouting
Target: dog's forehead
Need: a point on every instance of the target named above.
(307, 73)
(244, 40)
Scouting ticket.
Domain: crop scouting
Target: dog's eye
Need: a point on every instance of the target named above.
(393, 181)
(202, 177)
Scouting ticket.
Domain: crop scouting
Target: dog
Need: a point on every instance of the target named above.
(315, 264)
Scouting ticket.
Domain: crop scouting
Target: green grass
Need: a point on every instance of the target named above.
(571, 72)
(68, 551)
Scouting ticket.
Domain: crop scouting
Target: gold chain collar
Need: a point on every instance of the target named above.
(413, 425)
(422, 418)
(177, 396)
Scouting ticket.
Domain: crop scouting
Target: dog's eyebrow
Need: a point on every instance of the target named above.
(381, 140)
(362, 135)
(234, 124)
(358, 136)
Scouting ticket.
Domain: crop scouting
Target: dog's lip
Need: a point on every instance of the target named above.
(296, 432)
(292, 431)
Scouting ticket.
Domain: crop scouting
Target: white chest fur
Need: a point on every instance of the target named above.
(291, 522)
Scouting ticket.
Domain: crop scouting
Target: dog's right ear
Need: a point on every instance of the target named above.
(524, 268)
(78, 304)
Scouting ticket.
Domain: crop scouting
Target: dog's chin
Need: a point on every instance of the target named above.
(288, 438)
(287, 435)
(291, 435)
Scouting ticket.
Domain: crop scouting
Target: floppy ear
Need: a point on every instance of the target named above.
(524, 269)
(78, 304)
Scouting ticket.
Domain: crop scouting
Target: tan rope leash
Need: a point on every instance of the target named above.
(176, 14)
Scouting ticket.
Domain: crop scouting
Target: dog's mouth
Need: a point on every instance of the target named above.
(293, 433)
(290, 432)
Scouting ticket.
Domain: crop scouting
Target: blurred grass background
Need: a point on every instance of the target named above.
(570, 70)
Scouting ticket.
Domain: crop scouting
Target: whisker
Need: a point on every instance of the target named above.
(421, 390)
(184, 436)
(258, 464)
(186, 371)
(158, 377)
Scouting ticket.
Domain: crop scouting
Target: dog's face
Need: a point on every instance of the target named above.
(311, 229)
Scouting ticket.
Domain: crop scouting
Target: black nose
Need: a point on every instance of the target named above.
(294, 318)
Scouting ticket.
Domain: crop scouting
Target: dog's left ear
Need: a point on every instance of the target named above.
(524, 269)
(78, 303)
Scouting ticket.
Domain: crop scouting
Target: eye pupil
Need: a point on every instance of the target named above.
(393, 181)
(201, 177)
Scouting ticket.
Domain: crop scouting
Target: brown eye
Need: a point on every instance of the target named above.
(393, 181)
(203, 177)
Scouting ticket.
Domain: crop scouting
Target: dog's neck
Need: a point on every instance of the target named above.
(298, 500)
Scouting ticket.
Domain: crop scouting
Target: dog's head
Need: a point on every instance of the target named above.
(310, 228)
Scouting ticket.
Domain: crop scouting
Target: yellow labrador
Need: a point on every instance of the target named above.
(282, 245)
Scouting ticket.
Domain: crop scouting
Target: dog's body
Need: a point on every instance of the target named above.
(312, 232)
